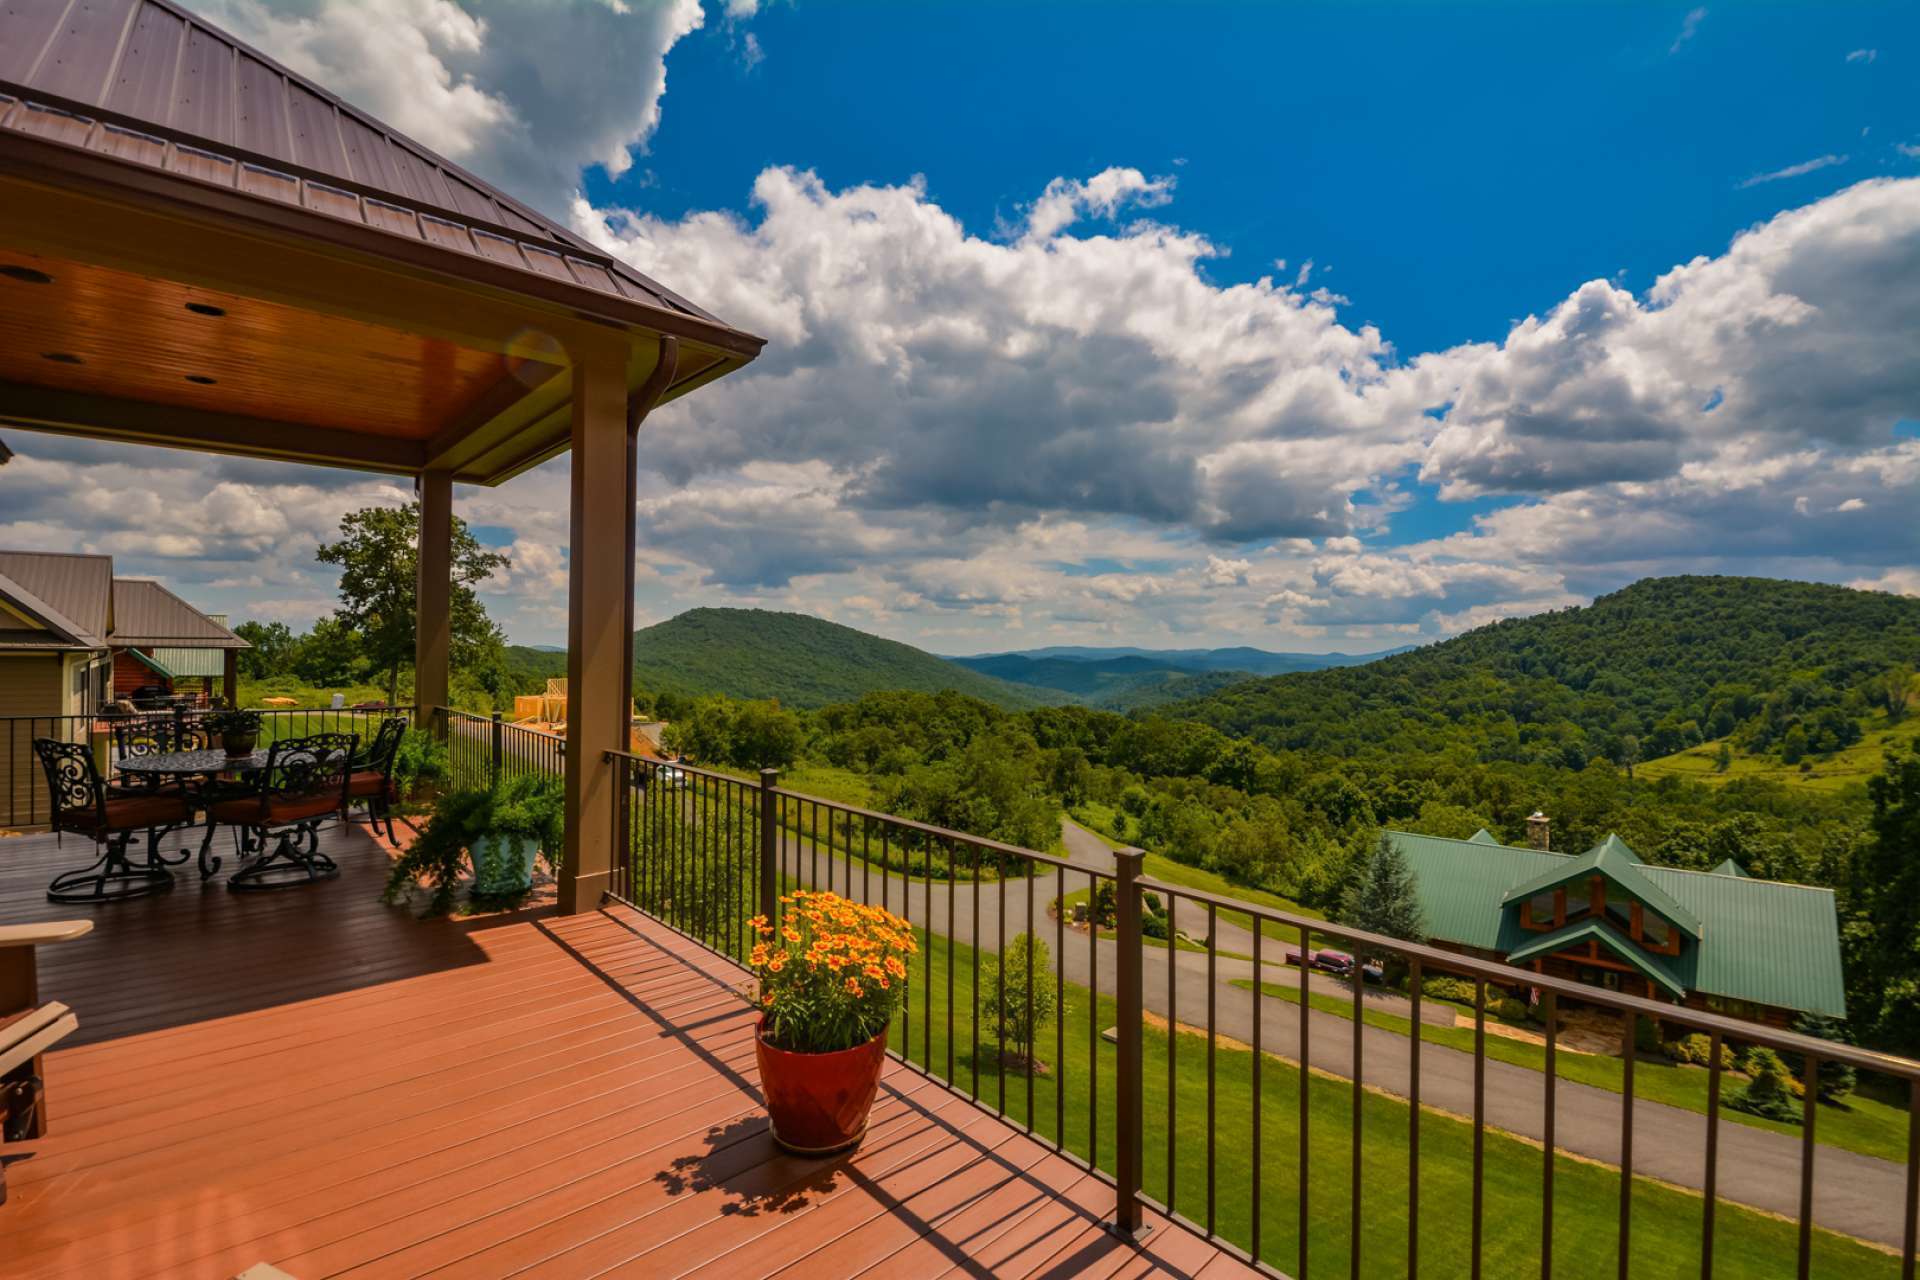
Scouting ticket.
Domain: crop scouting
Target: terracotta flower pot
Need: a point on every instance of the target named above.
(818, 1102)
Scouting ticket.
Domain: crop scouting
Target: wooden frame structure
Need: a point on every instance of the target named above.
(203, 250)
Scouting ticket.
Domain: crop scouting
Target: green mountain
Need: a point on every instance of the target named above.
(802, 661)
(1792, 669)
(1114, 684)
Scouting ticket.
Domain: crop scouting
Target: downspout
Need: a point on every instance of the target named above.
(639, 405)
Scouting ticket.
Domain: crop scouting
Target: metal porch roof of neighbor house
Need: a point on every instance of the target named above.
(1763, 940)
(147, 614)
(77, 588)
(117, 113)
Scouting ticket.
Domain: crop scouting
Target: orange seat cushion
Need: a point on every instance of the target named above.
(367, 783)
(251, 811)
(131, 812)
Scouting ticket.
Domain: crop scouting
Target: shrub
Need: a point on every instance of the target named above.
(1837, 1079)
(1449, 989)
(1019, 995)
(1693, 1050)
(1508, 1009)
(1155, 926)
(420, 761)
(1770, 1091)
(1646, 1035)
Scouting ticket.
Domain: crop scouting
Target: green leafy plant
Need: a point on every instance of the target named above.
(525, 809)
(1019, 997)
(1457, 989)
(1696, 1050)
(236, 722)
(1771, 1089)
(420, 762)
(832, 974)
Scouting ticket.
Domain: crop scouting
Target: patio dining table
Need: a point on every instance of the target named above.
(185, 765)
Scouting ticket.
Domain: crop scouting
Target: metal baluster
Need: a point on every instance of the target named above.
(1358, 979)
(1713, 1155)
(1000, 990)
(952, 960)
(1414, 981)
(1547, 1167)
(1093, 1022)
(1060, 1007)
(1809, 1114)
(1630, 1030)
(1306, 1074)
(973, 936)
(1911, 1236)
(1479, 1111)
(1032, 936)
(1213, 955)
(1173, 1034)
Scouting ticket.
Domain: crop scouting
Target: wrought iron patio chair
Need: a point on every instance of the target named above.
(277, 821)
(83, 803)
(372, 780)
(144, 736)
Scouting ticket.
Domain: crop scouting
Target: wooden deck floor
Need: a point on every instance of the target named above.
(313, 1080)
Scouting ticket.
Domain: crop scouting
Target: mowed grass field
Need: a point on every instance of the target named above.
(1255, 1156)
(1868, 1122)
(1842, 769)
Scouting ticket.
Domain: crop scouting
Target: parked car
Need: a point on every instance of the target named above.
(1337, 963)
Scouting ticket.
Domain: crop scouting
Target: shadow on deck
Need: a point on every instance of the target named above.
(317, 1081)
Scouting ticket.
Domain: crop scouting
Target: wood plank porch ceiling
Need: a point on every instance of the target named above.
(144, 108)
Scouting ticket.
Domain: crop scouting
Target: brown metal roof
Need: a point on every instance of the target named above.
(77, 588)
(149, 615)
(149, 84)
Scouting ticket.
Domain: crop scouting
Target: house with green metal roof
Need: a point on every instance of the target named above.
(1719, 940)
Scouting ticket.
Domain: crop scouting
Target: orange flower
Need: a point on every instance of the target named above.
(853, 987)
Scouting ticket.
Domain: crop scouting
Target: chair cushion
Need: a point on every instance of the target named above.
(131, 812)
(240, 811)
(248, 810)
(366, 782)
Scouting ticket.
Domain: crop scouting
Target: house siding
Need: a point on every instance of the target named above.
(31, 684)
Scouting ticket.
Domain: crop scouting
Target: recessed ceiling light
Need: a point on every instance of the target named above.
(26, 275)
(206, 309)
(61, 357)
(200, 378)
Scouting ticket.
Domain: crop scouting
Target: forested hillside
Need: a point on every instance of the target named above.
(1788, 668)
(1118, 684)
(802, 661)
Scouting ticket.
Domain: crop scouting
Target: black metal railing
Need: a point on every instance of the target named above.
(1151, 1090)
(23, 789)
(484, 750)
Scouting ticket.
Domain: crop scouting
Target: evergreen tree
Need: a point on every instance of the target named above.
(1384, 897)
(1886, 893)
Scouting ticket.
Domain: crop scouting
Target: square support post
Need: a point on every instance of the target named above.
(433, 595)
(598, 644)
(230, 678)
(1129, 996)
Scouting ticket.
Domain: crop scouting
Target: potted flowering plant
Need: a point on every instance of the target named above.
(238, 731)
(831, 974)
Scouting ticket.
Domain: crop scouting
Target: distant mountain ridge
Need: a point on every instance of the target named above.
(801, 660)
(1243, 658)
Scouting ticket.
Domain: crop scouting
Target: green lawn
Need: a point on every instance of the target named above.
(1865, 1124)
(1076, 1104)
(1842, 769)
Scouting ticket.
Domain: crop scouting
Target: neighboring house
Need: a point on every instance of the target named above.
(1718, 940)
(72, 637)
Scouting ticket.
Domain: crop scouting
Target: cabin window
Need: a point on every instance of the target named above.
(1540, 910)
(1654, 931)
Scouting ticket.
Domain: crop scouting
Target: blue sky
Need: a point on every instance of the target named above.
(1313, 326)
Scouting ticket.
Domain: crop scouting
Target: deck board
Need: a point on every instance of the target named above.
(321, 1082)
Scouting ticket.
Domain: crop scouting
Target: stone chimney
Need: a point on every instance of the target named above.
(1537, 837)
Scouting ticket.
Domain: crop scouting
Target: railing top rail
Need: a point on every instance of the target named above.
(1511, 975)
(947, 833)
(924, 828)
(477, 718)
